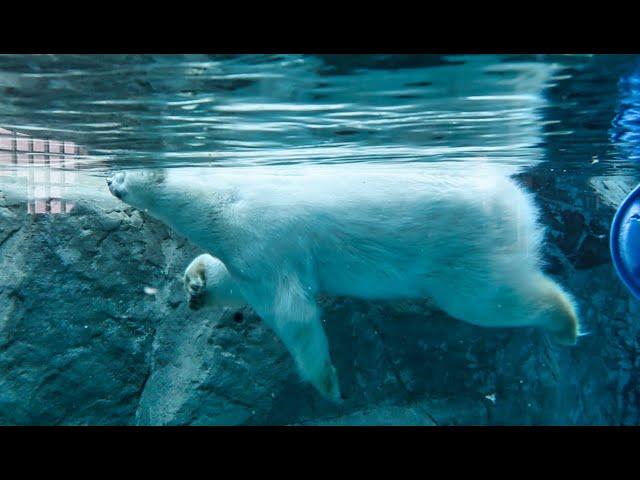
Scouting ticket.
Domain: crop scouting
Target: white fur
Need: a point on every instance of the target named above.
(468, 240)
(208, 279)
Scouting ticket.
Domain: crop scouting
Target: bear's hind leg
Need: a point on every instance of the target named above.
(558, 313)
(295, 318)
(530, 299)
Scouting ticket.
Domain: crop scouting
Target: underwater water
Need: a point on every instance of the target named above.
(96, 327)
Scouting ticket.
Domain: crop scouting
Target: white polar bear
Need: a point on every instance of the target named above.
(468, 241)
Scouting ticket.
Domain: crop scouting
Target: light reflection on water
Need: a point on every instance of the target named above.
(133, 111)
(175, 110)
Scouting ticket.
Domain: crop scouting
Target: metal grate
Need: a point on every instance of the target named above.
(45, 164)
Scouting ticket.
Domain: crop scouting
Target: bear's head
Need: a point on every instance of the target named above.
(136, 187)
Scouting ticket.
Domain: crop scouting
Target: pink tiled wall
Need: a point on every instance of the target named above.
(45, 165)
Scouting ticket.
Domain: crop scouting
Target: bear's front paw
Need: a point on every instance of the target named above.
(195, 288)
(195, 285)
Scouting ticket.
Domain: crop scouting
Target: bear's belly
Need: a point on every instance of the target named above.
(387, 275)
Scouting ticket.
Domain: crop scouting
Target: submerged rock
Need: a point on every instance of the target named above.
(82, 343)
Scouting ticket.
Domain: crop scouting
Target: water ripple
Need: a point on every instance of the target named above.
(175, 110)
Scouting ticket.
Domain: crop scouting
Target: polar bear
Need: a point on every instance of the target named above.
(469, 241)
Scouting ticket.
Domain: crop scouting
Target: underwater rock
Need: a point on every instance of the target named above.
(584, 243)
(592, 390)
(593, 251)
(612, 190)
(81, 342)
(573, 226)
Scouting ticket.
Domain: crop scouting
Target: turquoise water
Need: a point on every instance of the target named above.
(131, 110)
(564, 126)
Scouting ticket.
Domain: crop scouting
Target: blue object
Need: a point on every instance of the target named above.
(625, 241)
